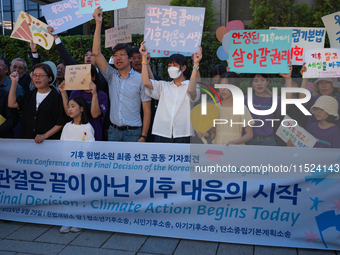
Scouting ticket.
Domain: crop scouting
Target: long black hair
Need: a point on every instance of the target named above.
(85, 116)
(97, 79)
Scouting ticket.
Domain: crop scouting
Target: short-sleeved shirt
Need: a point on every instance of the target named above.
(72, 132)
(232, 130)
(312, 119)
(172, 119)
(327, 138)
(126, 95)
(264, 103)
(97, 123)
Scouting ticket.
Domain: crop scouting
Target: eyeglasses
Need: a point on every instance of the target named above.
(119, 55)
(39, 75)
(21, 68)
(89, 55)
(60, 69)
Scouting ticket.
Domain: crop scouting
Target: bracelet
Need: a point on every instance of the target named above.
(145, 63)
(196, 67)
(144, 136)
(34, 52)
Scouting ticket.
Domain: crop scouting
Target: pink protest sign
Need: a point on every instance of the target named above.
(120, 34)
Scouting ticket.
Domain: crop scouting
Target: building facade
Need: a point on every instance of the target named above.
(225, 10)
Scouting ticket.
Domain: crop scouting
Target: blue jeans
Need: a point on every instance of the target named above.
(262, 140)
(130, 135)
(161, 139)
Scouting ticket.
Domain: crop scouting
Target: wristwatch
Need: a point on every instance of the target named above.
(144, 136)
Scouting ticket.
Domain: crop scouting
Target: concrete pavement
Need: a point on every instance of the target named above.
(19, 238)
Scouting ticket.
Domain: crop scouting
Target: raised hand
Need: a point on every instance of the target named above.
(93, 88)
(143, 50)
(14, 76)
(98, 14)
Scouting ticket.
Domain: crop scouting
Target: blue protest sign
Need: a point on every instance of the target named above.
(64, 15)
(260, 51)
(173, 28)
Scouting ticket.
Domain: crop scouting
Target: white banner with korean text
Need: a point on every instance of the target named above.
(177, 190)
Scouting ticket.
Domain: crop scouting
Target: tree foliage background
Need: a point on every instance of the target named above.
(209, 20)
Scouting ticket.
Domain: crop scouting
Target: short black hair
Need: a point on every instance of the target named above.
(5, 62)
(233, 78)
(97, 79)
(81, 101)
(87, 50)
(46, 68)
(135, 50)
(264, 75)
(218, 70)
(123, 46)
(61, 62)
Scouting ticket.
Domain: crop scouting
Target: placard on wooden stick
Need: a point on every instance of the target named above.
(78, 77)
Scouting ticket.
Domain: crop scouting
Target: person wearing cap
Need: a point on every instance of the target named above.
(325, 110)
(323, 86)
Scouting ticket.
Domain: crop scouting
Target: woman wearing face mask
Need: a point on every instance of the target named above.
(172, 119)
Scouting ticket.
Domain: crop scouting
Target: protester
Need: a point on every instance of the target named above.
(325, 110)
(79, 129)
(42, 110)
(228, 133)
(96, 100)
(323, 86)
(20, 65)
(126, 91)
(172, 120)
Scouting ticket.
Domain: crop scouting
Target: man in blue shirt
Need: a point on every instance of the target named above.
(126, 91)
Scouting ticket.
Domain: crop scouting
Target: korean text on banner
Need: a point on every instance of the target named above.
(149, 189)
(78, 77)
(88, 6)
(260, 51)
(173, 28)
(322, 63)
(120, 34)
(332, 24)
(298, 135)
(27, 28)
(166, 53)
(304, 38)
(64, 15)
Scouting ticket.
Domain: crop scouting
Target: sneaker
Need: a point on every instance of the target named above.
(64, 229)
(75, 229)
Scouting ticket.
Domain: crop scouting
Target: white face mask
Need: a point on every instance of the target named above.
(174, 72)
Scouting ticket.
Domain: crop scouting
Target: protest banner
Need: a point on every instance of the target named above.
(88, 6)
(120, 34)
(332, 24)
(260, 51)
(29, 29)
(298, 135)
(166, 53)
(64, 15)
(304, 38)
(322, 63)
(173, 28)
(146, 189)
(78, 77)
